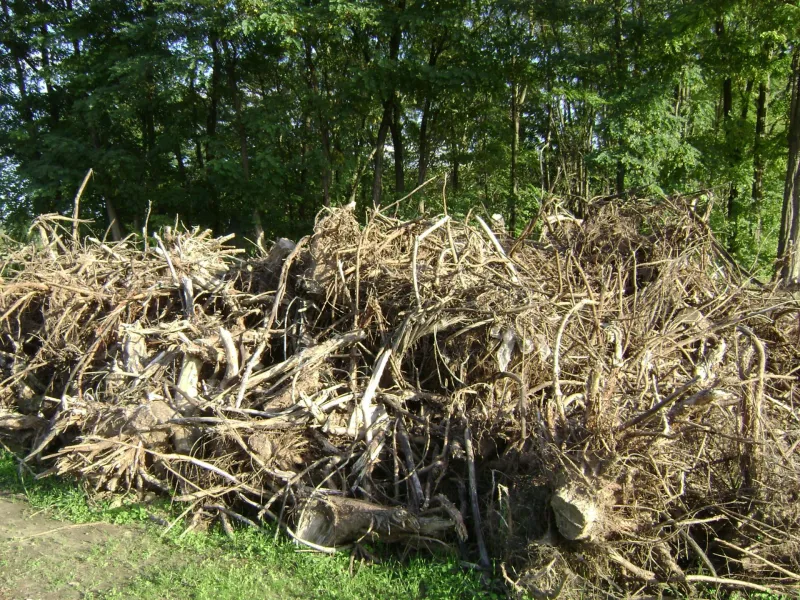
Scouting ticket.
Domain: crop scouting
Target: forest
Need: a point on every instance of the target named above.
(249, 116)
(537, 306)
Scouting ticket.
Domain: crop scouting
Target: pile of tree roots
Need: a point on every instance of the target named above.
(604, 406)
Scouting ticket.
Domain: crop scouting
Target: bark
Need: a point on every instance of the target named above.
(149, 120)
(789, 269)
(620, 83)
(214, 95)
(236, 100)
(332, 521)
(198, 149)
(396, 127)
(212, 120)
(322, 124)
(76, 44)
(52, 100)
(423, 142)
(732, 208)
(456, 165)
(388, 108)
(748, 92)
(517, 99)
(19, 52)
(181, 165)
(377, 180)
(759, 161)
(113, 219)
(436, 50)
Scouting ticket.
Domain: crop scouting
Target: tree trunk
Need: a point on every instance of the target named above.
(790, 215)
(621, 68)
(19, 53)
(456, 159)
(236, 100)
(211, 126)
(386, 121)
(76, 44)
(193, 98)
(396, 127)
(377, 180)
(113, 219)
(213, 106)
(436, 50)
(322, 123)
(52, 100)
(423, 143)
(759, 162)
(732, 208)
(517, 99)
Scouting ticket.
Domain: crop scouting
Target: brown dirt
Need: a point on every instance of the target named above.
(45, 559)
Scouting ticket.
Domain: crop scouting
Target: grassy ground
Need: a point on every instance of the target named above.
(134, 558)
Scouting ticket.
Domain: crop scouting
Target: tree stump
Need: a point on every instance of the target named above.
(576, 511)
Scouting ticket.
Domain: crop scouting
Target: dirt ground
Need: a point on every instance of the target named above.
(44, 559)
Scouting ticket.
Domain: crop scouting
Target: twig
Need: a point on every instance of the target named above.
(557, 357)
(415, 251)
(473, 497)
(231, 356)
(777, 567)
(509, 265)
(666, 402)
(48, 532)
(77, 206)
(247, 372)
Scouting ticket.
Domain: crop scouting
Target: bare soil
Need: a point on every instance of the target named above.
(45, 559)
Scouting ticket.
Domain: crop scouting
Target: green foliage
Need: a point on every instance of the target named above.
(231, 113)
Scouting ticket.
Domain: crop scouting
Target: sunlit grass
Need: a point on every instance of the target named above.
(253, 563)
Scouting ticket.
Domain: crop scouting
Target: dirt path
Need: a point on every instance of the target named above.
(44, 559)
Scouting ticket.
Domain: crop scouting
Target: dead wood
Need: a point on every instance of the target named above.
(420, 380)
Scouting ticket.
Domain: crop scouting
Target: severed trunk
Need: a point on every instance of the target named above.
(332, 521)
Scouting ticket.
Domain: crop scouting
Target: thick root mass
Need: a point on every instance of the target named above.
(610, 406)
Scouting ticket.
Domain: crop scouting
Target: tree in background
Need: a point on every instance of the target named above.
(249, 116)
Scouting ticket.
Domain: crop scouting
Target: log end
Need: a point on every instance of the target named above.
(576, 512)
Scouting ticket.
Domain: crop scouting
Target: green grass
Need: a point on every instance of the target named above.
(253, 564)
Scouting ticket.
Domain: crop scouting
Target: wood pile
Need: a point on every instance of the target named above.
(609, 408)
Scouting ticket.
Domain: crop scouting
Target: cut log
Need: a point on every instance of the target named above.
(333, 521)
(576, 511)
(18, 422)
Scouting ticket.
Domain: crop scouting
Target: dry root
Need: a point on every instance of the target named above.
(613, 407)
